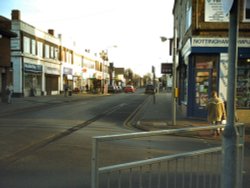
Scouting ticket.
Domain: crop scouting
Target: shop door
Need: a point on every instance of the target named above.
(203, 79)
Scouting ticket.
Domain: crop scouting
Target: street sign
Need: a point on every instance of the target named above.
(166, 68)
(226, 6)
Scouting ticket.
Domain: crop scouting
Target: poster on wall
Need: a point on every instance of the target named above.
(223, 76)
(214, 11)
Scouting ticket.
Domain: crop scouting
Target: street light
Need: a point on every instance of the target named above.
(174, 89)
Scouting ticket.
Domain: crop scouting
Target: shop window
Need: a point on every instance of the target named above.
(205, 79)
(243, 84)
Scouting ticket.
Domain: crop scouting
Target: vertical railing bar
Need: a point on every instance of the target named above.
(183, 172)
(140, 176)
(119, 178)
(191, 173)
(159, 174)
(167, 173)
(218, 170)
(94, 164)
(108, 180)
(197, 172)
(204, 170)
(175, 175)
(130, 177)
(240, 155)
(150, 175)
(211, 171)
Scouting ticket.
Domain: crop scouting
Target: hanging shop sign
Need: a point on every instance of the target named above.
(67, 71)
(166, 68)
(33, 68)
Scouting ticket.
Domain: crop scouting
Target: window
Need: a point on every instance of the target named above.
(247, 10)
(52, 55)
(40, 49)
(243, 84)
(188, 16)
(47, 51)
(56, 53)
(26, 45)
(69, 57)
(33, 47)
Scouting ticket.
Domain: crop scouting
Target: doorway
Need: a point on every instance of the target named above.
(203, 86)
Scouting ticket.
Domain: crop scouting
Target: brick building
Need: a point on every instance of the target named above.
(201, 29)
(5, 57)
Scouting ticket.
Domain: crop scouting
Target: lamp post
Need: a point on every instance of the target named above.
(105, 58)
(174, 89)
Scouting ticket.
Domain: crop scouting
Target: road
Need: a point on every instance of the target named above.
(51, 146)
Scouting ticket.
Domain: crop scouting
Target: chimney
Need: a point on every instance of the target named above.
(16, 15)
(51, 31)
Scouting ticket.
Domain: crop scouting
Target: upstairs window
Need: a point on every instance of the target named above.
(26, 45)
(47, 51)
(33, 47)
(40, 49)
(247, 10)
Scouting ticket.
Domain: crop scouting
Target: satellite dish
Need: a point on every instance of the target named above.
(227, 5)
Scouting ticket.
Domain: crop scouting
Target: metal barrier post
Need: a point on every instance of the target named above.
(94, 164)
(240, 155)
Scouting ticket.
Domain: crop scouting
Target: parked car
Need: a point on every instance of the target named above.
(111, 89)
(150, 89)
(129, 89)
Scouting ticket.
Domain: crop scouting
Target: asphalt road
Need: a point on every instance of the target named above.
(51, 146)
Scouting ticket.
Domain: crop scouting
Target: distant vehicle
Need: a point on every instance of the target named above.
(129, 89)
(112, 89)
(150, 89)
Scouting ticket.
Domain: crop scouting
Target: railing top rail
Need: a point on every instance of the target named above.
(157, 133)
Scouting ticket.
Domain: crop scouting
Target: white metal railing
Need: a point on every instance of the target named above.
(200, 168)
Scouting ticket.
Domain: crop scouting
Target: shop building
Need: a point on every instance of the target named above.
(35, 58)
(40, 63)
(201, 32)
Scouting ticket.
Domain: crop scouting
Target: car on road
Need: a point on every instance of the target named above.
(150, 89)
(112, 89)
(129, 89)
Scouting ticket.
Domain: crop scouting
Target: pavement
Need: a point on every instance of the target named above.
(156, 114)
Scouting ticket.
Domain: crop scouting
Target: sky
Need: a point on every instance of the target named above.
(129, 30)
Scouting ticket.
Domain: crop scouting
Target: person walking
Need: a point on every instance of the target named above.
(9, 91)
(65, 88)
(216, 111)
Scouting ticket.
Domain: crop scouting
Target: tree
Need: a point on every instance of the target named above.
(128, 74)
(147, 79)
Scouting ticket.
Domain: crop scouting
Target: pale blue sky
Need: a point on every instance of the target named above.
(135, 26)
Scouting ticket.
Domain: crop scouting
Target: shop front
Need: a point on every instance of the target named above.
(203, 78)
(204, 68)
(32, 79)
(52, 75)
(68, 77)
